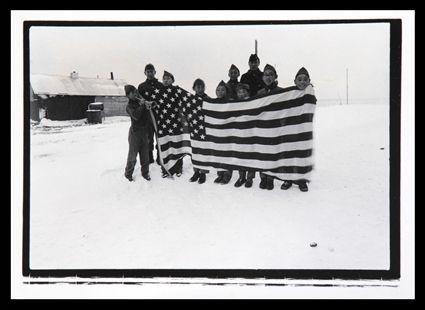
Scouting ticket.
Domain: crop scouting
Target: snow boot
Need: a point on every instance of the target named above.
(129, 177)
(270, 183)
(286, 184)
(146, 176)
(179, 174)
(194, 177)
(248, 183)
(303, 186)
(240, 182)
(263, 183)
(202, 178)
(219, 179)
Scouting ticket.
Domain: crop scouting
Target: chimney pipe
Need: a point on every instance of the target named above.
(112, 75)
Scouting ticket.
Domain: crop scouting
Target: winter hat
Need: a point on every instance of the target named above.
(253, 58)
(233, 67)
(242, 86)
(269, 67)
(302, 71)
(166, 73)
(129, 89)
(149, 67)
(198, 82)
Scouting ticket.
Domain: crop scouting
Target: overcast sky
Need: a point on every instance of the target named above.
(206, 52)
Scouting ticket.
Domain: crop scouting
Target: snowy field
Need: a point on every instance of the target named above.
(85, 214)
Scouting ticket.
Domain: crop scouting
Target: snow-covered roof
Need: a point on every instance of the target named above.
(44, 84)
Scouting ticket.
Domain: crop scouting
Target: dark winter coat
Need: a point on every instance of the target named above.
(254, 78)
(149, 85)
(139, 114)
(231, 86)
(273, 88)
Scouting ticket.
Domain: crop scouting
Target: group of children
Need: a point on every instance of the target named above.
(253, 82)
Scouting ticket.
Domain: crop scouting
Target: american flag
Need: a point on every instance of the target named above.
(272, 133)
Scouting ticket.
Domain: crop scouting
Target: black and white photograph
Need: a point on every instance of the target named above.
(213, 151)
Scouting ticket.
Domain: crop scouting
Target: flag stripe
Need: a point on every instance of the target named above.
(274, 106)
(261, 140)
(254, 155)
(258, 102)
(289, 146)
(253, 163)
(300, 170)
(261, 132)
(268, 115)
(270, 123)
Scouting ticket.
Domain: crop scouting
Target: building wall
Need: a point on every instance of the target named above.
(113, 106)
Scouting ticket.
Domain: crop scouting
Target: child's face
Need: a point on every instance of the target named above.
(132, 95)
(167, 81)
(269, 77)
(199, 89)
(233, 74)
(220, 91)
(150, 73)
(242, 93)
(253, 65)
(302, 81)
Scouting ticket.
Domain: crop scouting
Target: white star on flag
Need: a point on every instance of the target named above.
(184, 98)
(168, 105)
(202, 137)
(179, 90)
(164, 110)
(174, 125)
(156, 90)
(169, 90)
(161, 100)
(165, 95)
(194, 100)
(167, 121)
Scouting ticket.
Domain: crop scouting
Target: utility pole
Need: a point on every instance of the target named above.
(346, 78)
(256, 47)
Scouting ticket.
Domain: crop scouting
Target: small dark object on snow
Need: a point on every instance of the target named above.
(382, 148)
(313, 244)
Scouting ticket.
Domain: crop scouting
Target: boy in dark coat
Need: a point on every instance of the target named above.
(149, 85)
(302, 80)
(233, 82)
(270, 86)
(222, 91)
(245, 177)
(199, 174)
(177, 169)
(138, 135)
(253, 77)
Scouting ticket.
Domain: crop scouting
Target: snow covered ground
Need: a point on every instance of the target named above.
(85, 214)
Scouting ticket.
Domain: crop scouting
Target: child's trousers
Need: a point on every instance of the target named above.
(138, 142)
